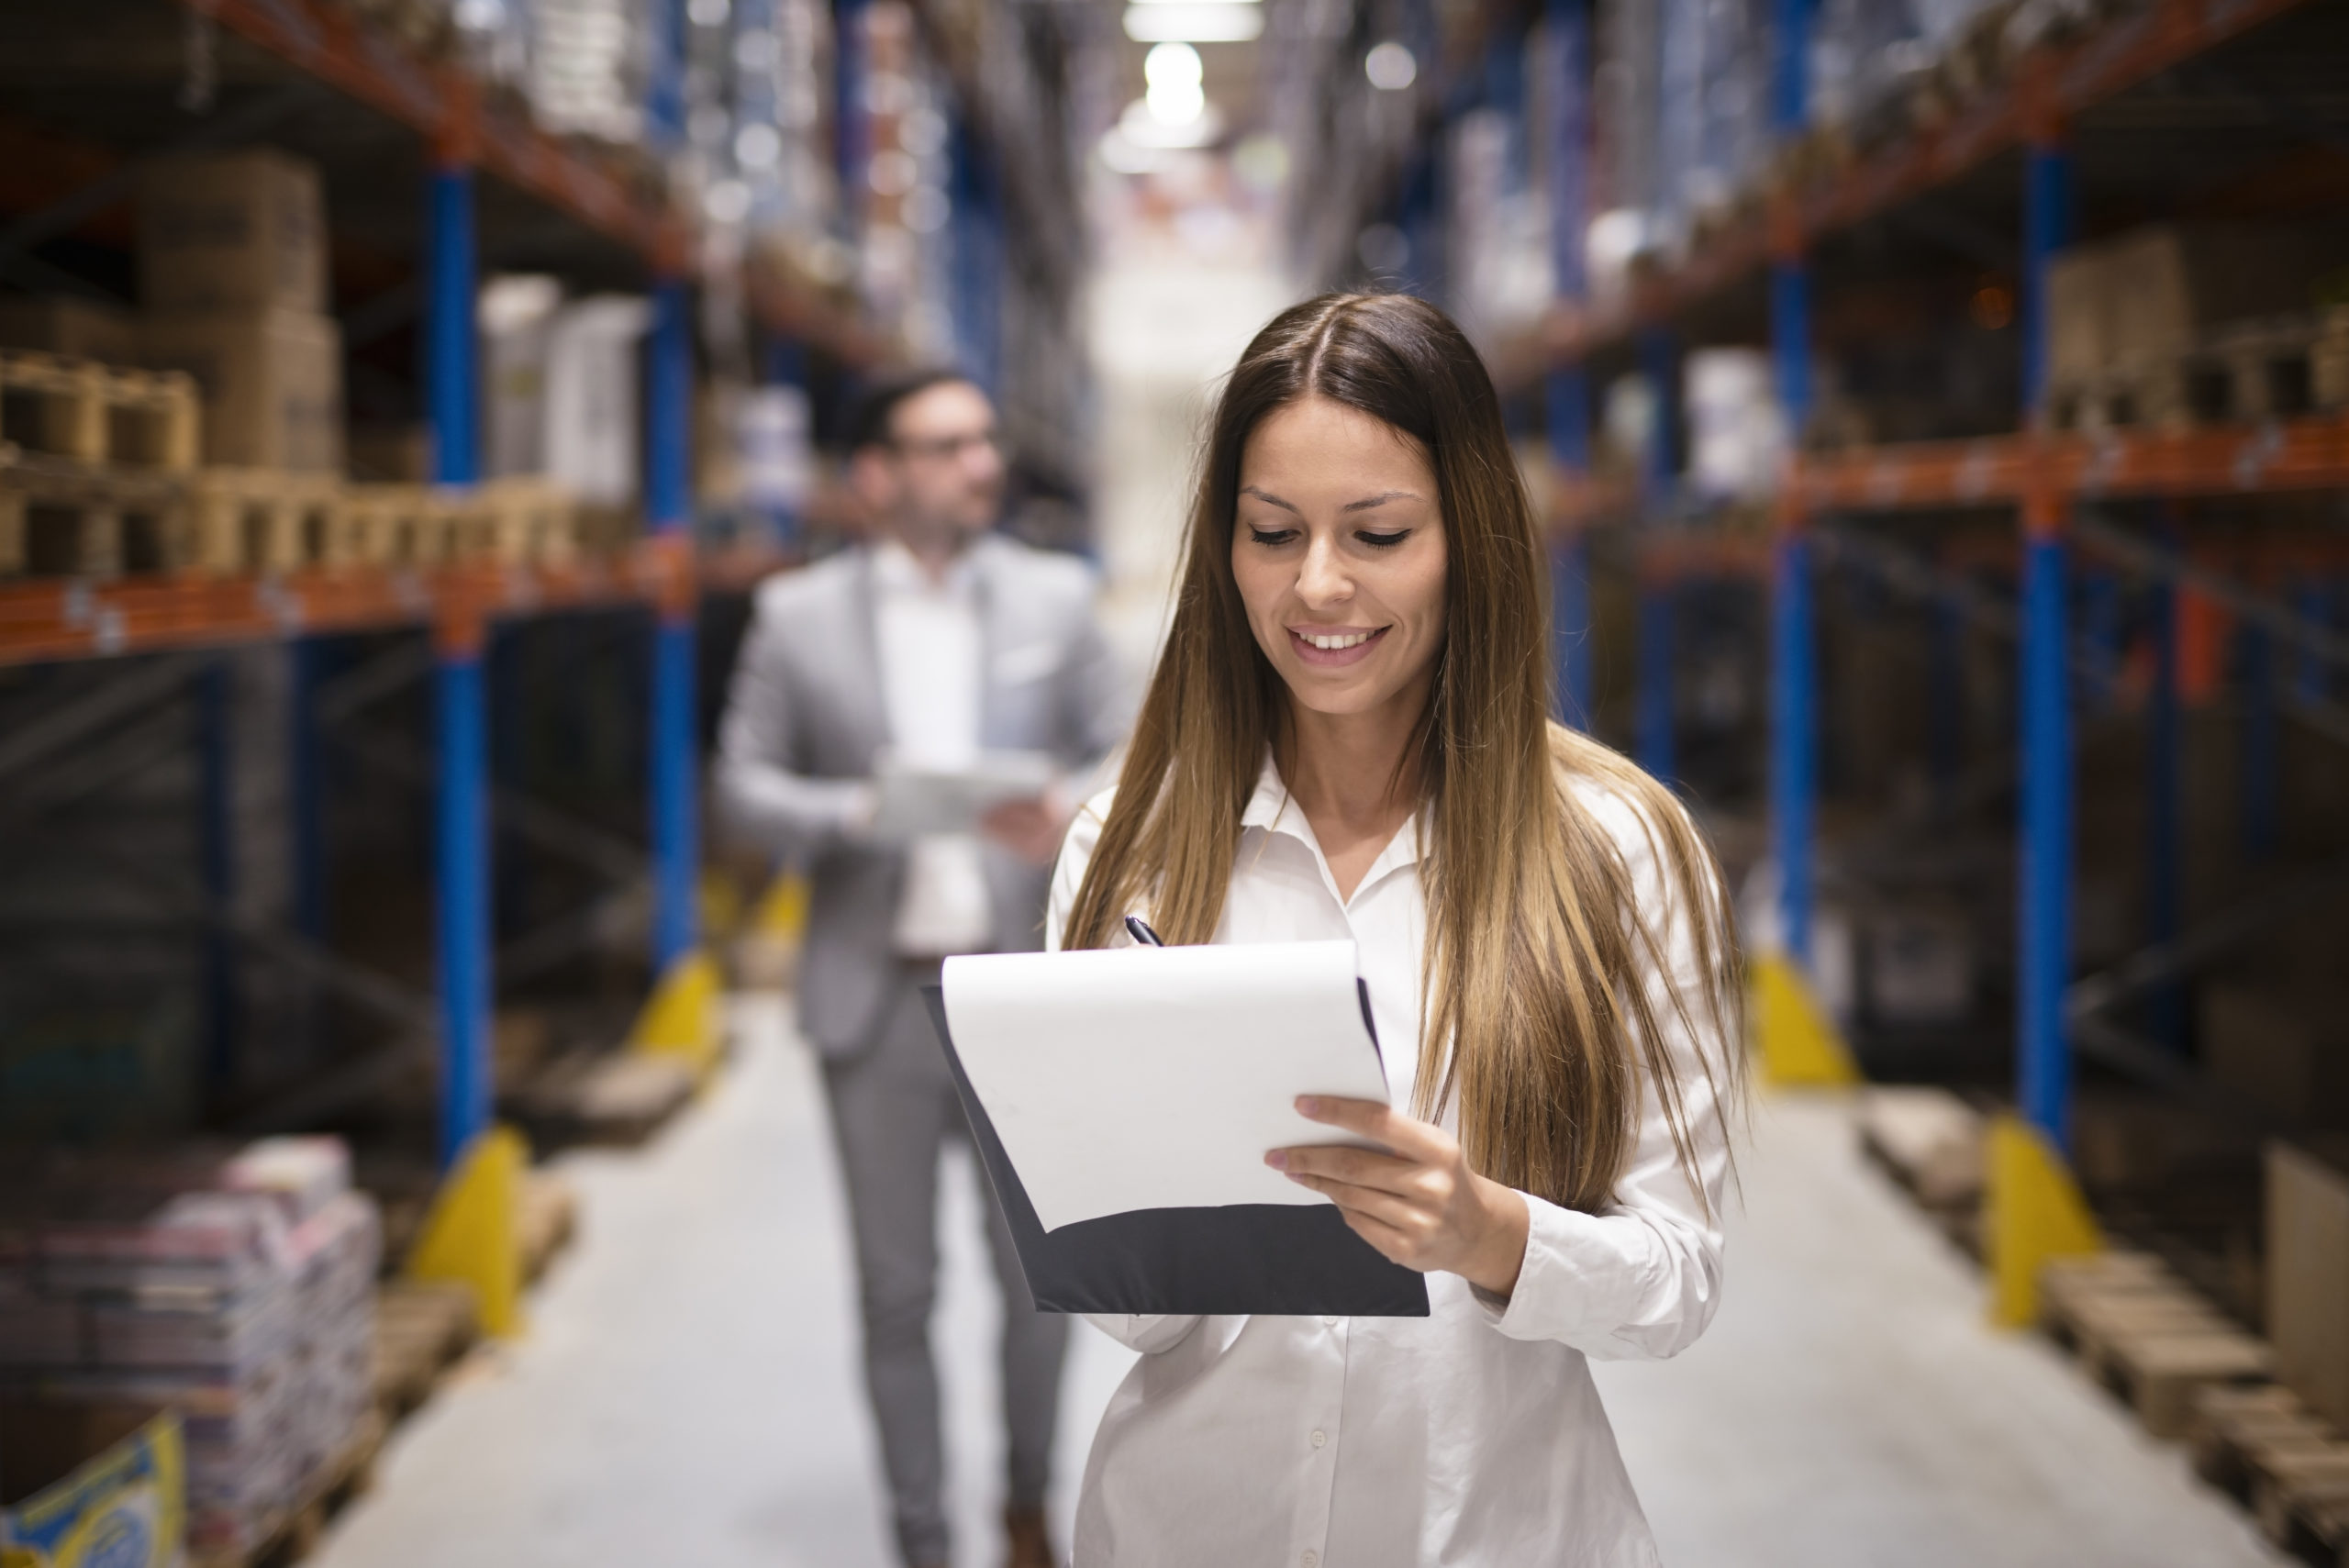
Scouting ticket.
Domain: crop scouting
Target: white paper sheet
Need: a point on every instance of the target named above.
(1130, 1078)
(915, 800)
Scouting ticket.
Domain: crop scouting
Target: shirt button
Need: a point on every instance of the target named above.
(1320, 1437)
(1311, 1559)
(1329, 1322)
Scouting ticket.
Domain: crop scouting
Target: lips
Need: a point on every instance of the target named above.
(1330, 646)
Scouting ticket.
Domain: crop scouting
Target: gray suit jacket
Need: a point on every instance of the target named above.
(804, 716)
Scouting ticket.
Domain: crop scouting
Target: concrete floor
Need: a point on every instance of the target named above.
(688, 1392)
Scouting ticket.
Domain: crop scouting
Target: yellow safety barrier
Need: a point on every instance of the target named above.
(2032, 1212)
(473, 1232)
(682, 1019)
(1798, 1043)
(782, 914)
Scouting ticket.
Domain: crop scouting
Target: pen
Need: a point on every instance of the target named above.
(1138, 928)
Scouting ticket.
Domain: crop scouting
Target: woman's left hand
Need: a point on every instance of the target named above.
(1420, 1204)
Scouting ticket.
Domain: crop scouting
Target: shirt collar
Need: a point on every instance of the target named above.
(1274, 810)
(894, 570)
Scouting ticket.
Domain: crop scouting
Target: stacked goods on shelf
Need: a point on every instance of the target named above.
(72, 329)
(238, 1294)
(233, 273)
(587, 69)
(2185, 324)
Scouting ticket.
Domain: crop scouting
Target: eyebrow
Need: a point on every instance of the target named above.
(1269, 498)
(1368, 503)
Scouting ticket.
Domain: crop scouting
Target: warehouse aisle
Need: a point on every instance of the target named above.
(1848, 1410)
(687, 1393)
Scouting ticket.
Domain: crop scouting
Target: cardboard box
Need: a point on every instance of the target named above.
(2079, 324)
(80, 329)
(2144, 298)
(271, 380)
(2169, 283)
(227, 231)
(92, 1485)
(2308, 1273)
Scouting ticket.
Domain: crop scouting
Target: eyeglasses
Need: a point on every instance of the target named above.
(946, 448)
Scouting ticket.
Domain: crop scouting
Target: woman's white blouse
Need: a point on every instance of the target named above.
(1473, 1435)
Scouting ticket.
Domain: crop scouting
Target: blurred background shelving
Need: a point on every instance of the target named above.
(1938, 410)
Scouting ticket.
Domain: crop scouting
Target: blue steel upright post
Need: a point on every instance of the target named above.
(462, 825)
(1794, 713)
(675, 827)
(2043, 962)
(1566, 394)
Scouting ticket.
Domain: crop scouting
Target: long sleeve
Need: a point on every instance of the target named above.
(761, 793)
(1642, 1278)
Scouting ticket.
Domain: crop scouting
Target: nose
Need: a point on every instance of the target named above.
(1322, 579)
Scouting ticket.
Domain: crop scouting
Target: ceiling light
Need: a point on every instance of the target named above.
(1194, 21)
(1141, 126)
(1390, 67)
(1174, 72)
(1173, 62)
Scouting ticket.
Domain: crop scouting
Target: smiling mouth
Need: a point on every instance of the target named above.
(1334, 646)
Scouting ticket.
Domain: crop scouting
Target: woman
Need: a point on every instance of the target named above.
(1347, 737)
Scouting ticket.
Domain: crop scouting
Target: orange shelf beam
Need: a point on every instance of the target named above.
(2212, 461)
(54, 619)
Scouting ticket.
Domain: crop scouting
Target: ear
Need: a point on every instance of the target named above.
(872, 480)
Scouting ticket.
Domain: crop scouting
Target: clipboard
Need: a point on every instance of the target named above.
(1276, 1259)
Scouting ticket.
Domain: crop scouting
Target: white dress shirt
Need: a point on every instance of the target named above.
(931, 661)
(1471, 1435)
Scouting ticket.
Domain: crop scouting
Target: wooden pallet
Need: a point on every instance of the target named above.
(2286, 1464)
(259, 519)
(521, 521)
(1927, 1139)
(549, 1220)
(60, 518)
(2144, 1334)
(619, 1098)
(396, 525)
(423, 1327)
(2244, 373)
(291, 1533)
(102, 414)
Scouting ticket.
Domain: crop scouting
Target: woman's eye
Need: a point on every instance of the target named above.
(1384, 541)
(1271, 536)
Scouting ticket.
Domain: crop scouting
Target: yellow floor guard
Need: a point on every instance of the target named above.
(682, 1019)
(781, 912)
(473, 1232)
(2032, 1211)
(1798, 1043)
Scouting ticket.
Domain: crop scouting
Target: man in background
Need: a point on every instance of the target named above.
(937, 640)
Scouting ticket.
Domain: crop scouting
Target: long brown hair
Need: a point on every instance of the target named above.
(1534, 1013)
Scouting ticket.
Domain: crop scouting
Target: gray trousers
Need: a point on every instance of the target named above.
(893, 1110)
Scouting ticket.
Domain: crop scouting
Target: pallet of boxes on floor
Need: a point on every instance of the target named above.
(233, 1296)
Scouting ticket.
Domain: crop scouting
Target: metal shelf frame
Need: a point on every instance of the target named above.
(2042, 477)
(467, 136)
